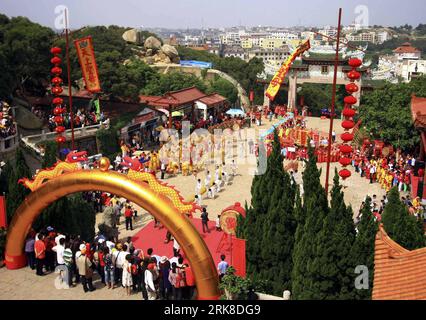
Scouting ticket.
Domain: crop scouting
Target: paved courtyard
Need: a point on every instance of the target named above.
(24, 284)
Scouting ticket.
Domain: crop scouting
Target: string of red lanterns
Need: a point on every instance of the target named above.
(348, 114)
(56, 81)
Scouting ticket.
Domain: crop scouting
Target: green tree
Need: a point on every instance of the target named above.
(16, 192)
(107, 141)
(400, 225)
(50, 154)
(24, 55)
(363, 248)
(224, 88)
(386, 113)
(315, 209)
(277, 233)
(172, 82)
(333, 278)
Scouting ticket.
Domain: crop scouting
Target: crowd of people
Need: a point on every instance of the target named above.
(114, 263)
(7, 124)
(389, 171)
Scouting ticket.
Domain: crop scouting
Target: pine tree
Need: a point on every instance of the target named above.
(363, 249)
(400, 225)
(16, 192)
(270, 224)
(342, 237)
(70, 214)
(314, 210)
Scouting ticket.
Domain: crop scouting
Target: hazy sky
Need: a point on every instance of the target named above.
(217, 13)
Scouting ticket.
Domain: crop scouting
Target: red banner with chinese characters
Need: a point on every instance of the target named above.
(86, 56)
(3, 216)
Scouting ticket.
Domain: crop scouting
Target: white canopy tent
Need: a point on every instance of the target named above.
(202, 106)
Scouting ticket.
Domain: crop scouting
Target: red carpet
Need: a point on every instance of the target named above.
(150, 237)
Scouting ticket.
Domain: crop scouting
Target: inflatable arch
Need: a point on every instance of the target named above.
(158, 205)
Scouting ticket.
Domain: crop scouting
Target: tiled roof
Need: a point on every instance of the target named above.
(186, 95)
(418, 111)
(399, 274)
(406, 48)
(212, 99)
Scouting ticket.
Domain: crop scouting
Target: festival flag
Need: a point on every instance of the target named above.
(279, 77)
(97, 107)
(86, 56)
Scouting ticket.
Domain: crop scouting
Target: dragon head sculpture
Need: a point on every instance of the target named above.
(76, 156)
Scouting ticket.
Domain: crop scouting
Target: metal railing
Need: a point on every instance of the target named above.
(33, 140)
(10, 142)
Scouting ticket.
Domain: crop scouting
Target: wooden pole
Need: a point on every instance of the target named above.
(69, 79)
(333, 102)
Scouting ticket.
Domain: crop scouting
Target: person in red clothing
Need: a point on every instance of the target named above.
(128, 214)
(40, 254)
(50, 258)
(190, 282)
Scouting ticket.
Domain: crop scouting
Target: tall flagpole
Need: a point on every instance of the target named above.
(333, 101)
(69, 79)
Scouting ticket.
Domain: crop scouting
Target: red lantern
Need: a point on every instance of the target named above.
(355, 62)
(55, 50)
(58, 111)
(351, 87)
(354, 75)
(350, 100)
(56, 60)
(56, 70)
(59, 129)
(344, 148)
(348, 124)
(60, 139)
(347, 136)
(57, 90)
(57, 100)
(348, 112)
(345, 173)
(58, 119)
(345, 161)
(57, 81)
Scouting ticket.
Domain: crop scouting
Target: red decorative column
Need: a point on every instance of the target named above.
(348, 114)
(56, 91)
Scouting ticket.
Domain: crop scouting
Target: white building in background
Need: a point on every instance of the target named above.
(234, 51)
(410, 69)
(406, 51)
(382, 36)
(274, 56)
(369, 36)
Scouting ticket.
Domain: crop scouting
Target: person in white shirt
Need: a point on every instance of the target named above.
(218, 223)
(234, 168)
(218, 184)
(210, 194)
(59, 249)
(208, 179)
(149, 282)
(58, 237)
(176, 246)
(217, 174)
(198, 187)
(198, 200)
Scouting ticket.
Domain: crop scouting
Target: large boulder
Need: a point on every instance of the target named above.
(131, 36)
(152, 43)
(170, 51)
